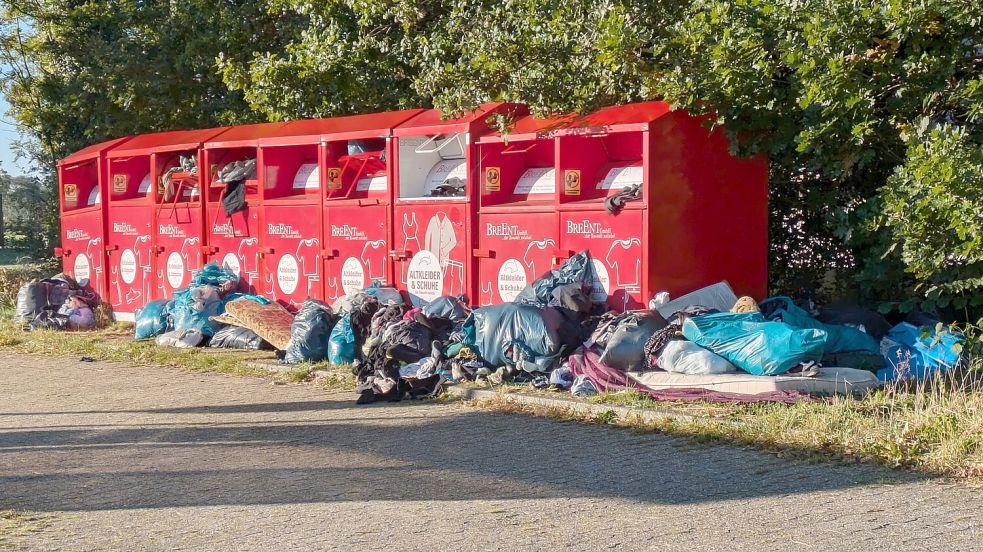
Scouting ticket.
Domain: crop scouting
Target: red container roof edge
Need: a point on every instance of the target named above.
(146, 144)
(636, 116)
(311, 131)
(532, 128)
(92, 152)
(245, 135)
(430, 121)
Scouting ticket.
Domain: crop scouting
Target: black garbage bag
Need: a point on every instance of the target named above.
(237, 337)
(49, 319)
(624, 349)
(575, 270)
(849, 314)
(309, 333)
(31, 300)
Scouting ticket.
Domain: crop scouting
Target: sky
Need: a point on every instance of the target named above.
(8, 135)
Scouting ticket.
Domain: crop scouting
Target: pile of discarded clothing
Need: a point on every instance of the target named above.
(57, 303)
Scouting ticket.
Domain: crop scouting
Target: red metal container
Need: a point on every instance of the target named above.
(233, 240)
(433, 236)
(517, 222)
(154, 228)
(82, 183)
(702, 216)
(290, 219)
(358, 200)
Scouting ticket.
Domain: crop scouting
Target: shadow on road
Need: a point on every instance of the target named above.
(355, 453)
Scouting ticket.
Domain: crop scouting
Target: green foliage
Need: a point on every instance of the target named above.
(30, 214)
(932, 205)
(841, 96)
(76, 73)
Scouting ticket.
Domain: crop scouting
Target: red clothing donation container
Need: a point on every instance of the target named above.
(358, 200)
(291, 236)
(433, 235)
(517, 223)
(233, 240)
(154, 233)
(702, 216)
(82, 183)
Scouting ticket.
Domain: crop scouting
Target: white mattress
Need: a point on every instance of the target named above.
(829, 381)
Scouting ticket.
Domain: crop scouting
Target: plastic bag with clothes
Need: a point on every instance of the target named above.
(576, 270)
(624, 348)
(194, 306)
(753, 344)
(151, 320)
(840, 338)
(341, 342)
(510, 334)
(214, 275)
(309, 333)
(685, 357)
(49, 319)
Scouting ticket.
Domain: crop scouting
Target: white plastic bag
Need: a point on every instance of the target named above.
(686, 357)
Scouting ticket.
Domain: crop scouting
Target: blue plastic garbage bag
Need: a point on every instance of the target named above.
(753, 344)
(151, 320)
(385, 295)
(909, 355)
(214, 275)
(341, 344)
(192, 308)
(840, 338)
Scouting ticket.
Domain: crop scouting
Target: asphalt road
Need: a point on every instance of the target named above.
(128, 458)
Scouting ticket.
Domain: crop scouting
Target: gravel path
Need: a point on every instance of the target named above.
(127, 458)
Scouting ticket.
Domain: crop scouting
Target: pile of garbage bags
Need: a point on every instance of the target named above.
(552, 336)
(56, 303)
(194, 316)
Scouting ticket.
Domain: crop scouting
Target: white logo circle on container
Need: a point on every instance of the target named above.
(175, 270)
(601, 286)
(352, 275)
(128, 266)
(82, 269)
(424, 278)
(511, 280)
(288, 273)
(231, 263)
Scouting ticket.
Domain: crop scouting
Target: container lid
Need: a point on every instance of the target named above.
(177, 140)
(93, 151)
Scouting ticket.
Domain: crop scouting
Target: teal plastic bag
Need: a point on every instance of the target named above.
(151, 320)
(341, 344)
(840, 338)
(754, 344)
